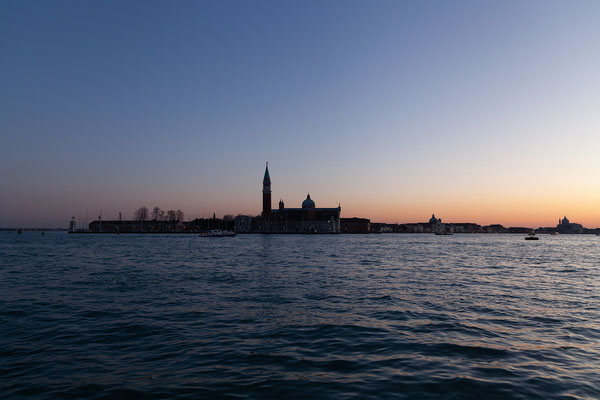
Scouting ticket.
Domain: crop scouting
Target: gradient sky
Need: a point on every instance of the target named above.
(476, 110)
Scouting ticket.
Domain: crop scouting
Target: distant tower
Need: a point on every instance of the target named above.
(281, 205)
(266, 194)
(72, 225)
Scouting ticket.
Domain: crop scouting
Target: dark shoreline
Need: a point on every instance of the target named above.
(318, 233)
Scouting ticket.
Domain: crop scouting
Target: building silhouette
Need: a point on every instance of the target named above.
(304, 219)
(355, 225)
(566, 226)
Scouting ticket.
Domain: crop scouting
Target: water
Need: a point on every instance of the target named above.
(346, 316)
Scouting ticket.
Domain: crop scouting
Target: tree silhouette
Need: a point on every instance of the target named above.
(141, 214)
(156, 213)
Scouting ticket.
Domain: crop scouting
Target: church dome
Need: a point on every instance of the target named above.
(565, 221)
(308, 203)
(433, 219)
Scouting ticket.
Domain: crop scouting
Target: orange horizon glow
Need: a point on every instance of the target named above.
(507, 212)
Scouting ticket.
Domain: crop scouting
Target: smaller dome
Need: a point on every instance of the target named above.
(308, 203)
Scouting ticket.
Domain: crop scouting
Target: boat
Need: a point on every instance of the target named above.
(218, 233)
(531, 236)
(443, 233)
(554, 233)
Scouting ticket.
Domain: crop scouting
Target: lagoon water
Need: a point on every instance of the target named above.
(299, 316)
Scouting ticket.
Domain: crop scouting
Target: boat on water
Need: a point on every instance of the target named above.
(554, 233)
(531, 236)
(218, 233)
(446, 233)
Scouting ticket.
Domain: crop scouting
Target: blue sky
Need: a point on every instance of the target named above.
(486, 111)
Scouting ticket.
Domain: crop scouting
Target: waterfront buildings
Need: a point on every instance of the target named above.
(157, 226)
(494, 228)
(565, 226)
(355, 225)
(305, 219)
(136, 226)
(435, 225)
(243, 224)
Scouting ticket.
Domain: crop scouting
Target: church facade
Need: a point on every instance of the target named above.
(566, 226)
(304, 219)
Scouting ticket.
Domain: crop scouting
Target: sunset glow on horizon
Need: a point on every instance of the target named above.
(477, 112)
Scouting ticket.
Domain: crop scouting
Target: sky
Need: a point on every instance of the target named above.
(478, 111)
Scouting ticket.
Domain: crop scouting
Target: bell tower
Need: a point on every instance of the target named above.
(266, 194)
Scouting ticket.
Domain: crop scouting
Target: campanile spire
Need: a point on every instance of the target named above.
(266, 193)
(267, 180)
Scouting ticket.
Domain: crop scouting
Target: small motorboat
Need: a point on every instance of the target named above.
(218, 233)
(554, 233)
(531, 236)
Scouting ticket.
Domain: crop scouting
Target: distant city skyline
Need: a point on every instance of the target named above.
(83, 219)
(477, 112)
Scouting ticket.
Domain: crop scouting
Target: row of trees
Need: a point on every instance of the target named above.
(157, 214)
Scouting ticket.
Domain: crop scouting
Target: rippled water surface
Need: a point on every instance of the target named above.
(365, 316)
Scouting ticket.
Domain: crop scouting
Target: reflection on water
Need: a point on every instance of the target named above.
(404, 316)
